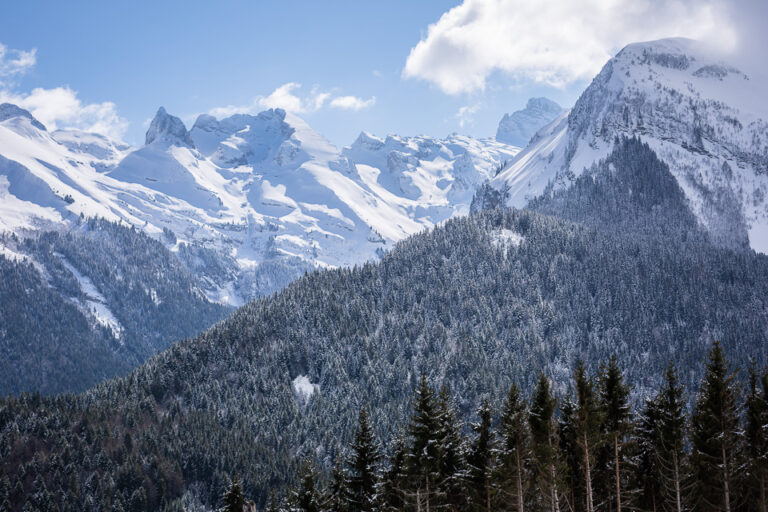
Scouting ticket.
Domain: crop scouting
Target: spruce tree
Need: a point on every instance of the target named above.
(424, 455)
(669, 442)
(544, 447)
(452, 450)
(756, 416)
(647, 475)
(363, 467)
(232, 498)
(514, 453)
(481, 459)
(715, 436)
(614, 401)
(588, 418)
(307, 497)
(337, 494)
(393, 485)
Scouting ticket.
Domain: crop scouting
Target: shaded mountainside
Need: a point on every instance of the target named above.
(87, 304)
(476, 304)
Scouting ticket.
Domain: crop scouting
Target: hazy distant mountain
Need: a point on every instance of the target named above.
(518, 127)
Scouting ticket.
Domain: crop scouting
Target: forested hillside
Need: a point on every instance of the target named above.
(87, 304)
(476, 304)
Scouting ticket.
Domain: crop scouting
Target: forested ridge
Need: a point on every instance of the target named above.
(49, 336)
(590, 449)
(480, 303)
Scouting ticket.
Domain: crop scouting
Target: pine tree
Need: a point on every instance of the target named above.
(588, 418)
(669, 442)
(424, 455)
(715, 435)
(452, 450)
(544, 447)
(514, 454)
(307, 497)
(614, 402)
(756, 441)
(337, 495)
(394, 481)
(363, 465)
(481, 459)
(232, 498)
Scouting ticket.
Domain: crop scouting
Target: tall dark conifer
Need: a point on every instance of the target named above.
(715, 436)
(452, 450)
(587, 420)
(616, 425)
(544, 448)
(514, 453)
(481, 459)
(424, 455)
(363, 467)
(756, 416)
(307, 497)
(232, 498)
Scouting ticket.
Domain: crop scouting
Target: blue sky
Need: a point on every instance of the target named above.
(374, 66)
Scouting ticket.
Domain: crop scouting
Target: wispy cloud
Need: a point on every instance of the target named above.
(466, 114)
(58, 107)
(551, 41)
(288, 97)
(352, 102)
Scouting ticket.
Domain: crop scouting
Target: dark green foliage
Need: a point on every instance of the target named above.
(50, 340)
(233, 499)
(363, 468)
(716, 436)
(482, 460)
(514, 457)
(756, 440)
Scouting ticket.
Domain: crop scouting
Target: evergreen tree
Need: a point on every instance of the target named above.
(544, 447)
(715, 436)
(307, 497)
(363, 474)
(514, 454)
(669, 442)
(757, 444)
(588, 418)
(337, 496)
(614, 402)
(647, 475)
(481, 459)
(452, 450)
(424, 455)
(232, 498)
(394, 482)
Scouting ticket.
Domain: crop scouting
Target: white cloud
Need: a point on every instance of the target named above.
(58, 107)
(466, 114)
(288, 97)
(61, 108)
(551, 41)
(14, 63)
(352, 102)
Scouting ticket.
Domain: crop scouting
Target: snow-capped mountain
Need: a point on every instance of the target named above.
(703, 117)
(249, 201)
(518, 127)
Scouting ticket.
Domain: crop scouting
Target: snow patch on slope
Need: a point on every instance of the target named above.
(95, 303)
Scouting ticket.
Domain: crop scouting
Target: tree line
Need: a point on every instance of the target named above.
(588, 450)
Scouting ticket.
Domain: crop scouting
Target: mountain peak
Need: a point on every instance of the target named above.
(518, 128)
(9, 110)
(168, 128)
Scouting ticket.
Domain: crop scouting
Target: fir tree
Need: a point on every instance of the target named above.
(307, 497)
(394, 481)
(669, 442)
(232, 498)
(481, 459)
(452, 450)
(614, 401)
(363, 474)
(337, 495)
(544, 447)
(514, 454)
(757, 445)
(588, 418)
(715, 435)
(424, 455)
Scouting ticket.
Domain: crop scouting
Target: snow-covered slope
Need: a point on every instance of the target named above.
(248, 201)
(703, 117)
(518, 127)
